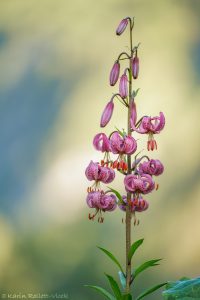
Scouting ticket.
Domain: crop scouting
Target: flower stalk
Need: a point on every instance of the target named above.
(128, 209)
(138, 175)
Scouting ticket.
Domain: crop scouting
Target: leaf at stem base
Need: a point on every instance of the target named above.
(150, 291)
(101, 291)
(110, 255)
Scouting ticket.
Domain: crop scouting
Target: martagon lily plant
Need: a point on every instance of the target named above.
(121, 155)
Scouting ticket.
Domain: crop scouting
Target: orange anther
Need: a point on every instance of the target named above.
(114, 164)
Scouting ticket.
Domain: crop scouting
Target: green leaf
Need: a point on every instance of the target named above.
(122, 133)
(149, 291)
(102, 291)
(188, 289)
(114, 287)
(109, 254)
(122, 279)
(134, 94)
(146, 265)
(127, 297)
(134, 247)
(117, 194)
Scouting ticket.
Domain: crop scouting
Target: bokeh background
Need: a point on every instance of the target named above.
(55, 58)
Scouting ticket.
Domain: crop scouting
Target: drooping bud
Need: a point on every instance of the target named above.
(133, 118)
(122, 26)
(114, 73)
(123, 86)
(107, 113)
(135, 66)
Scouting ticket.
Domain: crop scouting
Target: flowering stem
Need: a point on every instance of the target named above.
(121, 54)
(128, 211)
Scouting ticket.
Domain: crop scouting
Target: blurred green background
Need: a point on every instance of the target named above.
(55, 58)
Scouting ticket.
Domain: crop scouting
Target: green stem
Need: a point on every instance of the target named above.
(128, 212)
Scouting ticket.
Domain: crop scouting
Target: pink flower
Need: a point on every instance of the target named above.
(107, 202)
(98, 173)
(122, 145)
(114, 73)
(141, 204)
(135, 67)
(93, 198)
(139, 183)
(135, 204)
(93, 171)
(122, 26)
(101, 142)
(151, 167)
(107, 175)
(101, 201)
(123, 86)
(123, 206)
(151, 125)
(107, 113)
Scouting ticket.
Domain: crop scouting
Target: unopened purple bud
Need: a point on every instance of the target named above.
(114, 73)
(135, 67)
(123, 86)
(107, 113)
(133, 113)
(122, 26)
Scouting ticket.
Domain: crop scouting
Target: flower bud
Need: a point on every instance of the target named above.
(122, 26)
(133, 118)
(123, 86)
(135, 67)
(107, 113)
(114, 73)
